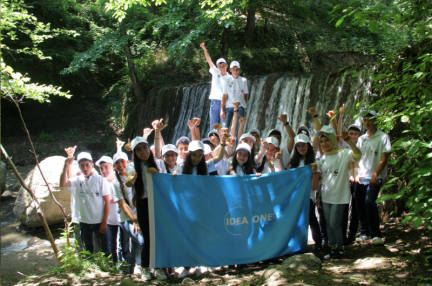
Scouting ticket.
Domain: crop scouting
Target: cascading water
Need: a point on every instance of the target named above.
(273, 95)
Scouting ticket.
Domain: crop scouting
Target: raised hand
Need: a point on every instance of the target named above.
(154, 123)
(70, 151)
(225, 136)
(202, 45)
(217, 126)
(119, 144)
(128, 146)
(147, 132)
(270, 163)
(196, 121)
(264, 144)
(283, 118)
(343, 135)
(224, 130)
(191, 124)
(331, 113)
(69, 161)
(278, 155)
(342, 109)
(231, 142)
(131, 179)
(243, 120)
(312, 111)
(160, 125)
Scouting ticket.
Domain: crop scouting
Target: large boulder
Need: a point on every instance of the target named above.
(3, 177)
(25, 208)
(306, 261)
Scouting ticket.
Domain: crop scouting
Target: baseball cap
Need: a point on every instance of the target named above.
(243, 146)
(207, 141)
(303, 128)
(355, 127)
(254, 130)
(169, 147)
(152, 147)
(137, 140)
(221, 60)
(196, 145)
(365, 113)
(213, 132)
(105, 159)
(272, 140)
(182, 138)
(207, 149)
(247, 135)
(234, 64)
(275, 130)
(326, 129)
(84, 156)
(120, 155)
(301, 138)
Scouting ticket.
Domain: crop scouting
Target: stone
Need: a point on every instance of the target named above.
(306, 261)
(188, 280)
(25, 208)
(3, 177)
(275, 275)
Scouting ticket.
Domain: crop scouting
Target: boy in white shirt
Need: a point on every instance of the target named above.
(375, 146)
(219, 74)
(92, 199)
(235, 90)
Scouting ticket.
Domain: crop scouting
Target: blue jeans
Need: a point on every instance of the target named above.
(112, 241)
(127, 234)
(215, 109)
(229, 113)
(87, 231)
(333, 215)
(367, 209)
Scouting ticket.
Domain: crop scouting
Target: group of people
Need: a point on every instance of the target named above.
(348, 168)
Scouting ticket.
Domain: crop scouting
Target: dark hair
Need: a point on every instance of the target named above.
(248, 167)
(309, 157)
(90, 161)
(260, 168)
(126, 199)
(183, 141)
(188, 166)
(208, 143)
(139, 183)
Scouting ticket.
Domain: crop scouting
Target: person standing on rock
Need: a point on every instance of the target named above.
(92, 199)
(235, 90)
(219, 74)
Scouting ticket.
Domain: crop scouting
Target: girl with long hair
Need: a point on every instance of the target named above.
(242, 163)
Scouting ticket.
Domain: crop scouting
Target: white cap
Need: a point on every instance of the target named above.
(301, 138)
(254, 130)
(273, 131)
(366, 112)
(243, 146)
(152, 147)
(273, 140)
(326, 129)
(182, 138)
(303, 127)
(355, 127)
(221, 60)
(137, 140)
(196, 145)
(247, 135)
(105, 159)
(207, 149)
(169, 147)
(84, 156)
(234, 64)
(120, 155)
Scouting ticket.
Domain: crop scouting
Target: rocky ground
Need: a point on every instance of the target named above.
(403, 260)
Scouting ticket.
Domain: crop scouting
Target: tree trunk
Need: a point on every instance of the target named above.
(225, 42)
(131, 66)
(250, 25)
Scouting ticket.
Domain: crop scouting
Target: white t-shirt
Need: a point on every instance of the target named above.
(217, 83)
(88, 193)
(267, 169)
(344, 145)
(131, 168)
(222, 166)
(209, 162)
(235, 88)
(113, 217)
(286, 157)
(161, 164)
(179, 160)
(335, 177)
(118, 195)
(372, 149)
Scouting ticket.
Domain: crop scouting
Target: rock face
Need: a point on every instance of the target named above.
(3, 177)
(25, 208)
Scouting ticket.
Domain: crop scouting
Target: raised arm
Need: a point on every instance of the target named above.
(340, 122)
(259, 157)
(207, 56)
(197, 122)
(221, 150)
(242, 122)
(147, 132)
(235, 119)
(70, 153)
(312, 111)
(356, 151)
(158, 126)
(64, 182)
(284, 119)
(191, 126)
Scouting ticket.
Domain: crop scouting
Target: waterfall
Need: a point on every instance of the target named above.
(273, 95)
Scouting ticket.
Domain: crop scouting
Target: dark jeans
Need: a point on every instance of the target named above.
(229, 114)
(322, 224)
(354, 219)
(333, 216)
(143, 220)
(367, 209)
(313, 223)
(112, 242)
(127, 235)
(87, 231)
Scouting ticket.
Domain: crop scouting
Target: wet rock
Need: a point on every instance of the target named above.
(188, 280)
(25, 208)
(3, 177)
(307, 261)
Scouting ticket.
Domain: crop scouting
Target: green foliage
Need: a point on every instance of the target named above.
(45, 137)
(73, 134)
(83, 262)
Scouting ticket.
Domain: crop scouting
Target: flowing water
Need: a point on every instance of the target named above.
(276, 94)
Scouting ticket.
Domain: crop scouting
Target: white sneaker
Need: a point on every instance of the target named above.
(378, 241)
(160, 274)
(145, 273)
(184, 273)
(362, 238)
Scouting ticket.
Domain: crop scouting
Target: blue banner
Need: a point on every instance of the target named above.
(227, 220)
